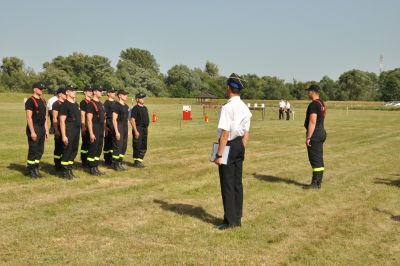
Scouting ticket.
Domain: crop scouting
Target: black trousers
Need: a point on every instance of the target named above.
(108, 143)
(288, 114)
(95, 147)
(58, 149)
(120, 146)
(50, 112)
(85, 146)
(316, 151)
(71, 149)
(231, 182)
(36, 148)
(281, 111)
(140, 145)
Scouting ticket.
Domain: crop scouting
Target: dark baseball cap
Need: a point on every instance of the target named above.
(123, 92)
(98, 88)
(140, 95)
(38, 85)
(235, 81)
(88, 88)
(60, 90)
(110, 90)
(70, 88)
(314, 88)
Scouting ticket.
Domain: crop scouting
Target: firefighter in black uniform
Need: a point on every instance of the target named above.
(140, 124)
(121, 130)
(233, 131)
(36, 130)
(109, 130)
(95, 121)
(88, 91)
(70, 123)
(58, 144)
(316, 136)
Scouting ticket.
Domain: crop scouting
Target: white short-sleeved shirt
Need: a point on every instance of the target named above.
(288, 105)
(282, 104)
(50, 102)
(234, 117)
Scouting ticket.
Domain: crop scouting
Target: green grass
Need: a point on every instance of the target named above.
(165, 214)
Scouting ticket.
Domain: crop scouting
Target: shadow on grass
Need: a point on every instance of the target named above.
(189, 210)
(44, 167)
(275, 179)
(389, 182)
(393, 217)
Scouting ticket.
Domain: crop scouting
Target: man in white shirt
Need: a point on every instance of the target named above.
(50, 103)
(282, 106)
(287, 110)
(233, 131)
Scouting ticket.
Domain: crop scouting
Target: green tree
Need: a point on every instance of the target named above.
(211, 69)
(14, 75)
(358, 85)
(329, 88)
(141, 58)
(389, 83)
(183, 82)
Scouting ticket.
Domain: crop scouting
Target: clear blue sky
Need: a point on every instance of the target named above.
(303, 39)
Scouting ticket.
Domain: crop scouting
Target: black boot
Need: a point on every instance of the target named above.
(121, 166)
(314, 184)
(84, 160)
(98, 171)
(37, 171)
(319, 178)
(93, 171)
(107, 159)
(31, 171)
(66, 173)
(116, 166)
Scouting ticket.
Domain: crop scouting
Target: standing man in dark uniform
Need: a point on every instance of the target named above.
(95, 121)
(233, 131)
(36, 130)
(140, 123)
(121, 130)
(108, 139)
(316, 136)
(70, 123)
(58, 144)
(88, 91)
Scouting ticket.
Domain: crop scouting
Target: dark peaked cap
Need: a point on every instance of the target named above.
(235, 81)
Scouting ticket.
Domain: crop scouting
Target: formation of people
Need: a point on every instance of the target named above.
(284, 108)
(103, 128)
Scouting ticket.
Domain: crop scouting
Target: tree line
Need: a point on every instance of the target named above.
(138, 70)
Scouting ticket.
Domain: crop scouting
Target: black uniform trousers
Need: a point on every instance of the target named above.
(58, 149)
(281, 113)
(140, 144)
(288, 114)
(96, 147)
(231, 182)
(316, 152)
(71, 149)
(120, 146)
(108, 143)
(36, 148)
(85, 146)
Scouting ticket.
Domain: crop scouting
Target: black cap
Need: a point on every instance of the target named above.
(140, 95)
(88, 88)
(123, 92)
(60, 90)
(314, 88)
(110, 90)
(235, 81)
(70, 88)
(38, 85)
(98, 88)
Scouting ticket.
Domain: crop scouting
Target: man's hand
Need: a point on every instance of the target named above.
(92, 138)
(33, 136)
(308, 142)
(137, 134)
(218, 161)
(117, 135)
(65, 140)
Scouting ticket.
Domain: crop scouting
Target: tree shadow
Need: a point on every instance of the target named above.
(393, 217)
(275, 179)
(189, 210)
(389, 182)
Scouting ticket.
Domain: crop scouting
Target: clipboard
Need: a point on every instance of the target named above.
(225, 154)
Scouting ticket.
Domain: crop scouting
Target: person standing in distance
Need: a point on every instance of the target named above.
(109, 130)
(58, 144)
(88, 91)
(70, 123)
(140, 123)
(36, 129)
(95, 121)
(233, 131)
(315, 136)
(282, 106)
(287, 110)
(121, 130)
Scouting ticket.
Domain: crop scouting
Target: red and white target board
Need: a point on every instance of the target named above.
(187, 112)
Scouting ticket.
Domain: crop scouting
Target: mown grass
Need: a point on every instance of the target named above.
(165, 214)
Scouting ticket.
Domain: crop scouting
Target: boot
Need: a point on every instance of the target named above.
(84, 160)
(314, 183)
(107, 159)
(93, 171)
(121, 166)
(66, 173)
(31, 171)
(319, 178)
(116, 166)
(138, 164)
(37, 171)
(57, 165)
(98, 171)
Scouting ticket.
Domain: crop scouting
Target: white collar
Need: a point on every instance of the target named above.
(234, 98)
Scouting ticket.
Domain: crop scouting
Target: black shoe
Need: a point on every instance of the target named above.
(138, 164)
(66, 174)
(37, 172)
(116, 167)
(31, 172)
(58, 168)
(98, 171)
(72, 174)
(121, 166)
(312, 186)
(93, 171)
(225, 226)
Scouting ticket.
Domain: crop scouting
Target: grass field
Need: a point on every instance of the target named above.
(166, 213)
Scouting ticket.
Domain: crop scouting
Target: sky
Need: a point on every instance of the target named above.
(290, 39)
